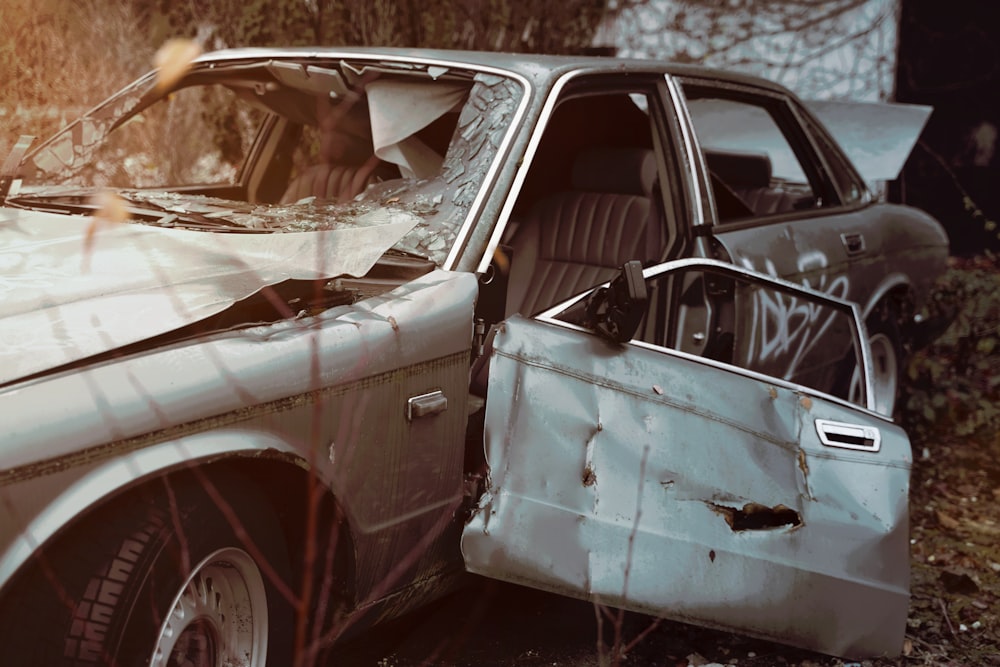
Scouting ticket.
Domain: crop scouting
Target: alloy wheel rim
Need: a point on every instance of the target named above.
(218, 617)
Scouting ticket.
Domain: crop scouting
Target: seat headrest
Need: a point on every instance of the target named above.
(627, 171)
(740, 170)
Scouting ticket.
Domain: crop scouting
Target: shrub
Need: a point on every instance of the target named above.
(954, 384)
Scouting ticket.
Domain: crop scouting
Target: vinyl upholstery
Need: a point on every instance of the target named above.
(571, 241)
(333, 182)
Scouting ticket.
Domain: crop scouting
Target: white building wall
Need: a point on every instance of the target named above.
(821, 49)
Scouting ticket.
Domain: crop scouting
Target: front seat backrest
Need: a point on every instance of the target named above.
(332, 182)
(571, 241)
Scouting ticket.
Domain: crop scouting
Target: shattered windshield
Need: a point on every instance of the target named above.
(287, 145)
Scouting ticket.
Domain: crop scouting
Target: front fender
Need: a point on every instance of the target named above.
(35, 509)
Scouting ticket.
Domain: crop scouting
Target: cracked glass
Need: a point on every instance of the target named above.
(262, 148)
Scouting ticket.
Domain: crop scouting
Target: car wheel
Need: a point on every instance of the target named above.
(884, 342)
(219, 616)
(164, 577)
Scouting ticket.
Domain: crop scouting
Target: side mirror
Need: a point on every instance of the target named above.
(616, 311)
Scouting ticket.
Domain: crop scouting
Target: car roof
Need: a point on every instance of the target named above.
(535, 67)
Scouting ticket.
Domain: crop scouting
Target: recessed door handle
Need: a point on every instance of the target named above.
(853, 243)
(848, 436)
(425, 405)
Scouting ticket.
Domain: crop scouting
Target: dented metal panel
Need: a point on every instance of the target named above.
(678, 487)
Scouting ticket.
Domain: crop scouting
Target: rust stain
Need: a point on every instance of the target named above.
(589, 476)
(393, 324)
(773, 393)
(803, 464)
(806, 402)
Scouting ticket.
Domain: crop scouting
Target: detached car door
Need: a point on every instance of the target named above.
(693, 486)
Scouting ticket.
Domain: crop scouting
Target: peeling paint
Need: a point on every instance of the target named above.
(803, 464)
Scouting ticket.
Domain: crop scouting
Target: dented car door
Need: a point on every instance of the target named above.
(650, 478)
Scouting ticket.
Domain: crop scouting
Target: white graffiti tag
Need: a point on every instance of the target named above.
(786, 327)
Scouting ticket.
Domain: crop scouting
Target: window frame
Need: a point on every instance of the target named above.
(675, 268)
(779, 106)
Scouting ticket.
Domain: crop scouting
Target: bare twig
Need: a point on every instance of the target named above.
(599, 611)
(642, 635)
(944, 612)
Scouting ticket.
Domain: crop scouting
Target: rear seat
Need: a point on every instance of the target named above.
(748, 175)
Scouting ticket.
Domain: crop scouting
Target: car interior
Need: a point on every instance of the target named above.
(589, 203)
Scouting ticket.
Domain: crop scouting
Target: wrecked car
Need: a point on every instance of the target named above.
(292, 341)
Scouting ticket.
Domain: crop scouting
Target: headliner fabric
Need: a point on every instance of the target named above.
(400, 109)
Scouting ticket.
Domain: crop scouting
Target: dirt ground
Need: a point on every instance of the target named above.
(954, 612)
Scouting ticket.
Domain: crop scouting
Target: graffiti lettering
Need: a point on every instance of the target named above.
(784, 327)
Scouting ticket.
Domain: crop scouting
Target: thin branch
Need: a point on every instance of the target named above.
(944, 612)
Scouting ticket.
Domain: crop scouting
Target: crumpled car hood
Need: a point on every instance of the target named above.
(71, 288)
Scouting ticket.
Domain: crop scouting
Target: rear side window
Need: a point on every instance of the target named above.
(755, 162)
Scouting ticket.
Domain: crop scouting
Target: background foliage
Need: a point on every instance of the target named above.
(953, 385)
(60, 57)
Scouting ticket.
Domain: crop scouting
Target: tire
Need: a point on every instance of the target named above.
(887, 359)
(158, 577)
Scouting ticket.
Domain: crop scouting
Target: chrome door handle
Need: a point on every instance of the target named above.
(424, 405)
(848, 436)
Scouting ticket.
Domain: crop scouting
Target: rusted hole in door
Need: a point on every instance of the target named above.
(755, 516)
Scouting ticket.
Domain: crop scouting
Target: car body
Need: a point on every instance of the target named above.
(309, 328)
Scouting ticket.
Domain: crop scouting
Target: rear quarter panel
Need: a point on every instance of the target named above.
(903, 247)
